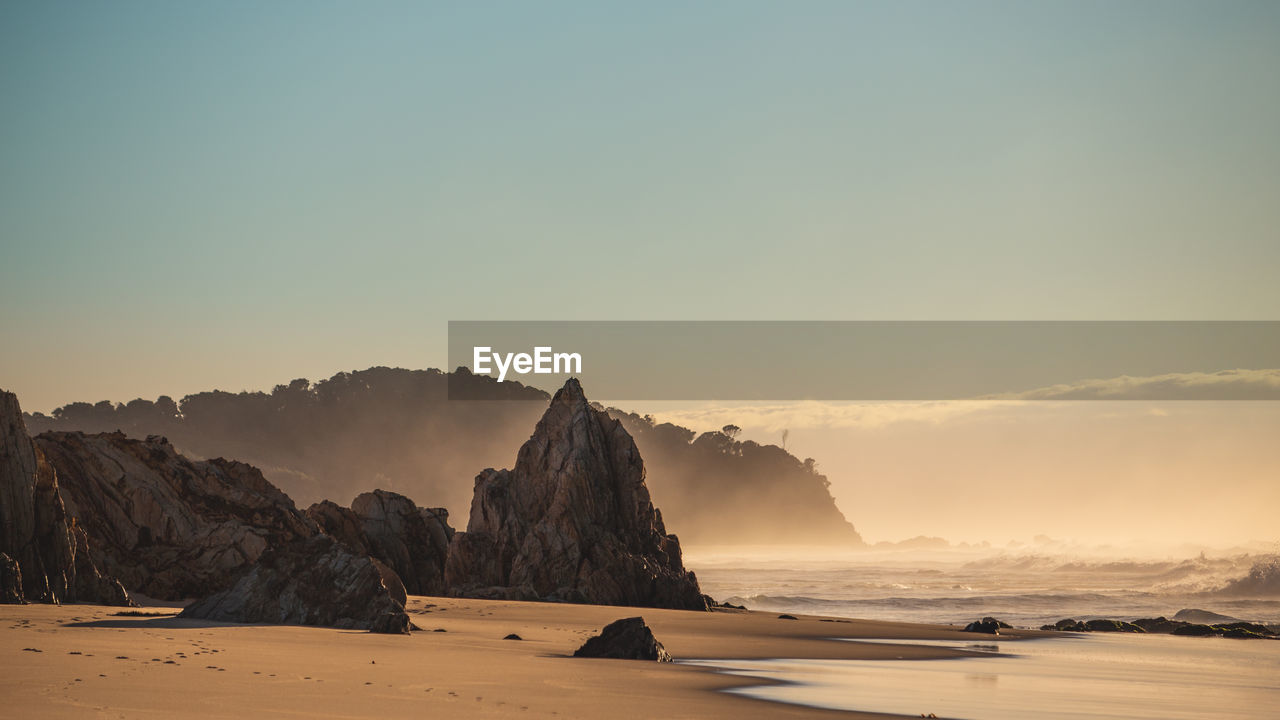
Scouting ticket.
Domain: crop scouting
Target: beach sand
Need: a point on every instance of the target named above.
(94, 663)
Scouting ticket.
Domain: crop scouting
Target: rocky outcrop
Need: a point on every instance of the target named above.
(317, 581)
(167, 526)
(571, 521)
(1165, 626)
(626, 639)
(988, 625)
(413, 541)
(44, 559)
(1096, 625)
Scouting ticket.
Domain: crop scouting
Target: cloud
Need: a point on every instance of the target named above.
(826, 415)
(1225, 385)
(775, 417)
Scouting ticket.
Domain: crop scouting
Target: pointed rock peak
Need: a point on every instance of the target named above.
(11, 414)
(571, 394)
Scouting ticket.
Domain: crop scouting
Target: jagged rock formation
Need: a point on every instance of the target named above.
(166, 526)
(625, 639)
(408, 430)
(413, 541)
(317, 581)
(43, 556)
(572, 521)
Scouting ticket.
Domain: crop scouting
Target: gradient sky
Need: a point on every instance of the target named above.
(233, 194)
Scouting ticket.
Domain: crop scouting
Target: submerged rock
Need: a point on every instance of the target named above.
(316, 581)
(572, 521)
(1202, 617)
(45, 557)
(626, 639)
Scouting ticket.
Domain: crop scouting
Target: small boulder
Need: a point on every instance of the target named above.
(626, 639)
(988, 625)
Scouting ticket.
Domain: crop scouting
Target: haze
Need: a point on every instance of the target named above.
(1137, 476)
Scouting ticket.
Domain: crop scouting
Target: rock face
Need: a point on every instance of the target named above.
(43, 556)
(167, 526)
(572, 521)
(626, 639)
(413, 541)
(317, 581)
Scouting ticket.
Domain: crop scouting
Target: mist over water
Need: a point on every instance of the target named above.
(1026, 589)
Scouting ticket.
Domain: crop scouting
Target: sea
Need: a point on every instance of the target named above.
(1091, 676)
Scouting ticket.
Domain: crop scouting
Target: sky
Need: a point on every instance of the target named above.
(234, 194)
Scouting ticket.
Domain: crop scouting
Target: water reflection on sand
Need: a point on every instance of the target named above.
(1082, 677)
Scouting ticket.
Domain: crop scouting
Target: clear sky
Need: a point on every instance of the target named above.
(233, 194)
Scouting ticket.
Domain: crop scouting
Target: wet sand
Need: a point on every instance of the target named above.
(85, 661)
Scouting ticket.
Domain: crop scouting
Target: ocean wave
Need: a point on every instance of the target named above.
(800, 602)
(1263, 580)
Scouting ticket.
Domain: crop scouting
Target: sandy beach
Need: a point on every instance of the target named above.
(87, 661)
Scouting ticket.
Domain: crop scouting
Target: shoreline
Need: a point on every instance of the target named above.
(92, 661)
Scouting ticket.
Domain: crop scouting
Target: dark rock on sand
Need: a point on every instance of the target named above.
(316, 581)
(45, 558)
(1163, 625)
(988, 625)
(167, 526)
(1101, 625)
(627, 639)
(1098, 625)
(412, 540)
(573, 521)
